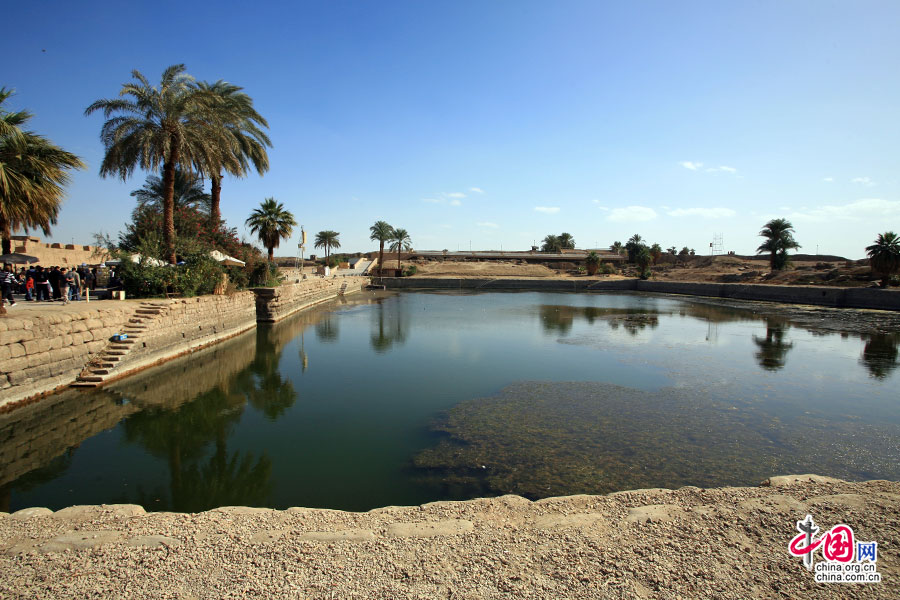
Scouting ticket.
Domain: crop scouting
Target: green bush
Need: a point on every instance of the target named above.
(265, 274)
(410, 271)
(607, 268)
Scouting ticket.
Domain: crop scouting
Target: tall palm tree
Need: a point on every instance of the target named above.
(272, 223)
(381, 232)
(188, 192)
(566, 241)
(33, 173)
(245, 140)
(401, 242)
(779, 234)
(884, 255)
(163, 128)
(328, 240)
(617, 247)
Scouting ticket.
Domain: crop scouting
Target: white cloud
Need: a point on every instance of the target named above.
(722, 169)
(455, 203)
(866, 208)
(488, 224)
(455, 195)
(632, 213)
(828, 179)
(550, 210)
(706, 213)
(866, 181)
(476, 190)
(698, 166)
(432, 200)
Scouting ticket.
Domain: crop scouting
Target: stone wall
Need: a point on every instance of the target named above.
(274, 304)
(871, 298)
(185, 324)
(63, 255)
(39, 353)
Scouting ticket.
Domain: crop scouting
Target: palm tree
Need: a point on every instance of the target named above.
(163, 128)
(273, 223)
(551, 243)
(643, 259)
(188, 192)
(400, 242)
(328, 240)
(566, 241)
(381, 232)
(884, 256)
(593, 262)
(779, 234)
(246, 141)
(33, 173)
(655, 252)
(634, 244)
(617, 247)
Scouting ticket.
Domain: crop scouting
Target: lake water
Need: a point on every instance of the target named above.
(403, 398)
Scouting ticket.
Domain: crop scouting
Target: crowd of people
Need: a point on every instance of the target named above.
(50, 284)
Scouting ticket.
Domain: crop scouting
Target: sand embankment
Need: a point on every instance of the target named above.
(686, 543)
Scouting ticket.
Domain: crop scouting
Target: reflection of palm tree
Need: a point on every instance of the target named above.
(880, 354)
(327, 329)
(262, 384)
(182, 435)
(394, 330)
(772, 348)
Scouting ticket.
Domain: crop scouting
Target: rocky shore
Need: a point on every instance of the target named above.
(685, 543)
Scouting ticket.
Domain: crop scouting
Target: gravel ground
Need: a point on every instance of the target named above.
(686, 543)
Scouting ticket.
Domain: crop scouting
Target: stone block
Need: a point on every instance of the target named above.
(16, 350)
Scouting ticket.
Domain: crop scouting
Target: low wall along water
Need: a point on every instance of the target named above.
(42, 352)
(871, 298)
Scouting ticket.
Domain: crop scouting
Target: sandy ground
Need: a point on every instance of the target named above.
(725, 269)
(687, 543)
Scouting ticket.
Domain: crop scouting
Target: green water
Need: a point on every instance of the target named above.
(404, 398)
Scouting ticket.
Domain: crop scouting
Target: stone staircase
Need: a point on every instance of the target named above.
(103, 367)
(343, 289)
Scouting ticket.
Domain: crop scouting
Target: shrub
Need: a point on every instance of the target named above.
(410, 271)
(607, 268)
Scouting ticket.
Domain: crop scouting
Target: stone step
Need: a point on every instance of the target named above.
(106, 364)
(91, 378)
(118, 346)
(100, 371)
(110, 358)
(85, 384)
(149, 312)
(128, 340)
(115, 353)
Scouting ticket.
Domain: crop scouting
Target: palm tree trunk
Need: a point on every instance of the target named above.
(398, 260)
(380, 256)
(216, 194)
(772, 260)
(271, 250)
(6, 232)
(169, 204)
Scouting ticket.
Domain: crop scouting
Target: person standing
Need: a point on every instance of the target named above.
(7, 281)
(94, 279)
(87, 280)
(42, 284)
(56, 282)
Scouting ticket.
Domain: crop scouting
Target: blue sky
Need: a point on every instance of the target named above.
(496, 123)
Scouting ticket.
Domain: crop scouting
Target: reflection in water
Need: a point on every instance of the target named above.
(560, 318)
(880, 354)
(263, 384)
(327, 329)
(772, 348)
(390, 326)
(224, 425)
